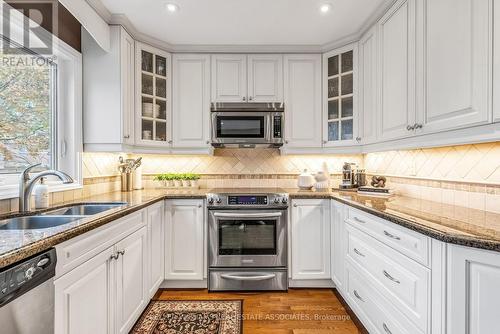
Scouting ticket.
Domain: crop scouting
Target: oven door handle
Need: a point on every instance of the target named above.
(248, 278)
(248, 215)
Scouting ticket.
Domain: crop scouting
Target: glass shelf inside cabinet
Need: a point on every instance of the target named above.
(340, 97)
(153, 97)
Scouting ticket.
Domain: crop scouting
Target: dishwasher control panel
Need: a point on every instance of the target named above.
(25, 275)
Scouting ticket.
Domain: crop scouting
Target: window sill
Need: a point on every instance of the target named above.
(12, 191)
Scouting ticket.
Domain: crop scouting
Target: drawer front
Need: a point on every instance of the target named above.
(378, 314)
(404, 282)
(248, 280)
(412, 244)
(76, 251)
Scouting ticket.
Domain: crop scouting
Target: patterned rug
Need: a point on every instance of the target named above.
(191, 317)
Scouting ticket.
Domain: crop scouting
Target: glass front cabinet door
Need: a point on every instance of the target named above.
(340, 97)
(153, 80)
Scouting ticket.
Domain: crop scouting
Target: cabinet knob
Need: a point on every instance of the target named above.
(295, 205)
(126, 136)
(200, 206)
(418, 126)
(358, 139)
(170, 141)
(325, 141)
(208, 141)
(250, 98)
(286, 141)
(244, 98)
(122, 252)
(409, 127)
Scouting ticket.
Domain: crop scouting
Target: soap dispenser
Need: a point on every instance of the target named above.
(41, 195)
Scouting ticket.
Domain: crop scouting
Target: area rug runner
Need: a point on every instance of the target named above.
(191, 317)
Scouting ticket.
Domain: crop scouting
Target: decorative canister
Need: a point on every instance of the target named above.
(305, 181)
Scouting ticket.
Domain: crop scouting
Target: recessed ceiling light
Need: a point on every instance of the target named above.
(325, 8)
(172, 7)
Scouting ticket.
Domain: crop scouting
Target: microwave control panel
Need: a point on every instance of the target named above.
(277, 126)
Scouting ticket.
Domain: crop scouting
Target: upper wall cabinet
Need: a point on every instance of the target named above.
(496, 64)
(303, 100)
(455, 61)
(397, 71)
(108, 91)
(153, 116)
(340, 126)
(265, 78)
(252, 78)
(368, 87)
(229, 78)
(191, 100)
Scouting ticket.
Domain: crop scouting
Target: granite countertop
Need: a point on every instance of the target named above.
(448, 223)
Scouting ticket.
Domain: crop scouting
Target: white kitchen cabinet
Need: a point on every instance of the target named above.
(496, 64)
(108, 91)
(265, 78)
(191, 100)
(454, 55)
(340, 95)
(184, 240)
(229, 78)
(156, 247)
(337, 238)
(473, 297)
(153, 118)
(107, 286)
(310, 223)
(247, 78)
(84, 297)
(368, 58)
(131, 273)
(397, 40)
(303, 100)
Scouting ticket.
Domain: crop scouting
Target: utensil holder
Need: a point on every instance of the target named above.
(127, 181)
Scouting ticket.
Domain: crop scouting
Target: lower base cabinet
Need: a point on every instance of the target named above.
(106, 292)
(184, 240)
(84, 297)
(156, 247)
(473, 291)
(310, 239)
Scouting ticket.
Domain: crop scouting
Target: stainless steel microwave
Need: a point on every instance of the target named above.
(247, 125)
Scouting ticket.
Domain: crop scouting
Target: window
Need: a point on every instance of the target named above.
(40, 112)
(28, 112)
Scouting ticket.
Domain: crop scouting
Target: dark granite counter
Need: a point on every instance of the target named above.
(448, 223)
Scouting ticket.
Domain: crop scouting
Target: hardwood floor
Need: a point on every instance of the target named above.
(300, 311)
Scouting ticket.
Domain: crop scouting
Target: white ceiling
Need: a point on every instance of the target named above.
(247, 22)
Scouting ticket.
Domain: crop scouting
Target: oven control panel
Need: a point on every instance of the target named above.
(246, 200)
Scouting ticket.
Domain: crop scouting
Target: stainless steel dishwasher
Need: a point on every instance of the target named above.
(27, 295)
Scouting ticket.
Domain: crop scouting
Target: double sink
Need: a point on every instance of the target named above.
(57, 217)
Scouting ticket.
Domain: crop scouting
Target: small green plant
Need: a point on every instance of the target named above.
(176, 176)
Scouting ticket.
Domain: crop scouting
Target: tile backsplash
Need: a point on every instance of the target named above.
(466, 175)
(477, 163)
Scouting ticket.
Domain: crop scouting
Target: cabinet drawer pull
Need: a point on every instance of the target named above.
(359, 220)
(358, 296)
(391, 235)
(358, 252)
(386, 329)
(386, 274)
(122, 252)
(114, 256)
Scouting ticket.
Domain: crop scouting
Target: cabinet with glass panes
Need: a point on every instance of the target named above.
(153, 103)
(340, 119)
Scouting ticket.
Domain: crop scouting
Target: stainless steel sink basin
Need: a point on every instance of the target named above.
(84, 209)
(36, 222)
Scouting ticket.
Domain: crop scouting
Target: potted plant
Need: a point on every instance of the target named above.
(194, 180)
(185, 180)
(177, 178)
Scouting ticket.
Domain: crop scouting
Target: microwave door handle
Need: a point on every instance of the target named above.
(248, 215)
(248, 278)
